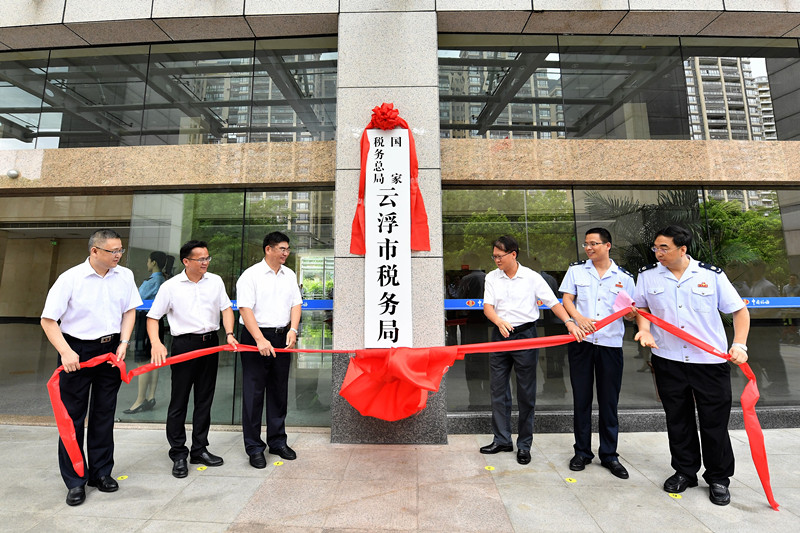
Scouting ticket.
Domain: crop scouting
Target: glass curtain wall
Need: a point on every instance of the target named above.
(755, 242)
(41, 238)
(176, 93)
(616, 87)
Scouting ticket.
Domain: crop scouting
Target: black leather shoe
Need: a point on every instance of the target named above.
(678, 482)
(523, 457)
(616, 468)
(257, 460)
(180, 468)
(496, 448)
(285, 453)
(578, 463)
(105, 484)
(206, 458)
(149, 405)
(134, 410)
(719, 494)
(76, 495)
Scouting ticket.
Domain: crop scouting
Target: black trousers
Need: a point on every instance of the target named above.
(587, 360)
(200, 374)
(682, 387)
(264, 377)
(93, 391)
(524, 364)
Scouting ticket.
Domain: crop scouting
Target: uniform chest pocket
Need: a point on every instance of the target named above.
(656, 298)
(583, 287)
(703, 300)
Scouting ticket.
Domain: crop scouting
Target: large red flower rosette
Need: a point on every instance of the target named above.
(385, 116)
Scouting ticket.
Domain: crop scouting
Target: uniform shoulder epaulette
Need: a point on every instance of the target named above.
(576, 263)
(710, 267)
(648, 267)
(624, 271)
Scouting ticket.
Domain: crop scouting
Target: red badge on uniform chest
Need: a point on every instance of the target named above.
(704, 284)
(619, 284)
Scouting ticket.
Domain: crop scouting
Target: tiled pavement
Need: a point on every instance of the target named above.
(338, 488)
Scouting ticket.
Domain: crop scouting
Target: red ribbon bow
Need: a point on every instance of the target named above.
(386, 117)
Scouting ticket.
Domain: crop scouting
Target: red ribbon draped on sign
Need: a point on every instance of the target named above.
(386, 117)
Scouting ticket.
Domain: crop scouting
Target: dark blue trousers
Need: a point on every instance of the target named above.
(587, 361)
(264, 377)
(707, 387)
(524, 364)
(93, 391)
(199, 374)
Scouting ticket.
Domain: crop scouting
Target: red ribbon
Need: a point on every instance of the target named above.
(386, 117)
(393, 383)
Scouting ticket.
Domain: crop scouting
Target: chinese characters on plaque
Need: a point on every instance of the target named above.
(387, 270)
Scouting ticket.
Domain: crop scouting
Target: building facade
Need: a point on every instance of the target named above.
(169, 120)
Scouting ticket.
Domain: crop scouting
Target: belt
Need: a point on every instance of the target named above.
(204, 337)
(524, 327)
(102, 340)
(275, 331)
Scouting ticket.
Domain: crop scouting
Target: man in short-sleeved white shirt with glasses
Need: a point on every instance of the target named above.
(270, 306)
(510, 302)
(193, 301)
(96, 303)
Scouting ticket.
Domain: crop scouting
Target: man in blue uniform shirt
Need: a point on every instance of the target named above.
(590, 288)
(688, 294)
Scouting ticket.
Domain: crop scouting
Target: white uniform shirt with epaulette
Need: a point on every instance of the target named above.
(594, 297)
(692, 304)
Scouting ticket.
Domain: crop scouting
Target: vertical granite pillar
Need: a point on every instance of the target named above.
(387, 53)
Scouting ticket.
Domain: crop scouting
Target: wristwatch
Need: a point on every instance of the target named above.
(295, 330)
(571, 320)
(741, 346)
(124, 342)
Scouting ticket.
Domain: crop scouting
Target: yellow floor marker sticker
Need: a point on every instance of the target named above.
(489, 468)
(201, 468)
(676, 496)
(278, 463)
(120, 478)
(571, 480)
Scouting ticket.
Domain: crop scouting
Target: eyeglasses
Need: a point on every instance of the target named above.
(112, 252)
(282, 249)
(496, 257)
(201, 259)
(662, 249)
(591, 244)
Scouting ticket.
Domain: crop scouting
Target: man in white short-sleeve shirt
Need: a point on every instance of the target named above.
(192, 301)
(510, 302)
(96, 303)
(270, 306)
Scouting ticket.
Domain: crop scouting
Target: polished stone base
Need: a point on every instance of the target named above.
(348, 426)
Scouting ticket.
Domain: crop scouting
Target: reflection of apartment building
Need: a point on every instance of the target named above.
(534, 111)
(306, 214)
(767, 111)
(727, 102)
(723, 99)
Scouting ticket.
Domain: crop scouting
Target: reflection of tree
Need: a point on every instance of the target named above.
(540, 220)
(218, 219)
(636, 223)
(723, 232)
